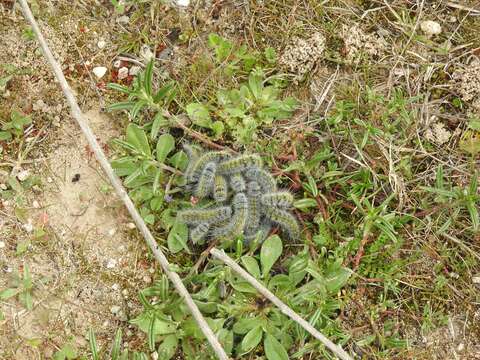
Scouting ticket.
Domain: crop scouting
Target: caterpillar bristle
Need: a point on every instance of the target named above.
(237, 183)
(199, 233)
(206, 181)
(209, 215)
(285, 220)
(240, 163)
(220, 189)
(264, 179)
(282, 199)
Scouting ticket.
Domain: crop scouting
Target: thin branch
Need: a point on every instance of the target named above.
(117, 184)
(337, 350)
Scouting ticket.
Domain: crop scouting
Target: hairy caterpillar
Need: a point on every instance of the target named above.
(209, 215)
(287, 221)
(254, 210)
(237, 183)
(220, 188)
(281, 199)
(194, 171)
(206, 180)
(199, 232)
(259, 233)
(240, 163)
(264, 179)
(237, 223)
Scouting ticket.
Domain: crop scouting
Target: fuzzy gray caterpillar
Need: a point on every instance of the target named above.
(248, 202)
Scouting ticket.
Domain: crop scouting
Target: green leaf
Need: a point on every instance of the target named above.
(250, 263)
(164, 92)
(178, 237)
(26, 299)
(93, 344)
(199, 115)
(168, 347)
(138, 139)
(218, 128)
(22, 247)
(117, 345)
(336, 279)
(244, 325)
(120, 88)
(158, 122)
(270, 55)
(8, 293)
(148, 78)
(4, 81)
(165, 144)
(255, 85)
(303, 204)
(179, 160)
(251, 340)
(273, 349)
(126, 105)
(5, 136)
(271, 250)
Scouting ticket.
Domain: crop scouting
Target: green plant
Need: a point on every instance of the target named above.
(22, 287)
(14, 127)
(116, 352)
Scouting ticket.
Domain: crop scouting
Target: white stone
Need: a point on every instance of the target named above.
(430, 27)
(115, 309)
(117, 63)
(122, 73)
(116, 287)
(23, 175)
(123, 19)
(2, 245)
(99, 71)
(111, 263)
(183, 2)
(28, 227)
(146, 54)
(112, 232)
(147, 279)
(476, 279)
(3, 187)
(131, 225)
(101, 44)
(49, 180)
(35, 204)
(134, 70)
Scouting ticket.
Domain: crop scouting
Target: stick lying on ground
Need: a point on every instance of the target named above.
(337, 350)
(117, 184)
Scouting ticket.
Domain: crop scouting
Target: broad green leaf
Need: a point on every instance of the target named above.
(199, 115)
(218, 128)
(178, 237)
(226, 339)
(179, 160)
(22, 247)
(271, 250)
(160, 327)
(243, 286)
(168, 347)
(251, 340)
(270, 55)
(5, 136)
(126, 105)
(244, 325)
(255, 85)
(336, 279)
(274, 350)
(164, 92)
(138, 139)
(165, 144)
(250, 263)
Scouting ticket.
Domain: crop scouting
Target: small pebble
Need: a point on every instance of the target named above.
(23, 175)
(123, 19)
(122, 73)
(476, 279)
(115, 309)
(146, 54)
(131, 225)
(183, 2)
(3, 187)
(461, 347)
(154, 355)
(101, 44)
(117, 64)
(134, 70)
(112, 232)
(49, 180)
(125, 292)
(28, 227)
(116, 287)
(111, 263)
(430, 28)
(35, 204)
(2, 245)
(99, 71)
(147, 279)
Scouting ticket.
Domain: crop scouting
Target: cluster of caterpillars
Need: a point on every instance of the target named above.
(246, 201)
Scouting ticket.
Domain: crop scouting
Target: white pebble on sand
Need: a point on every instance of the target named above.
(99, 71)
(430, 28)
